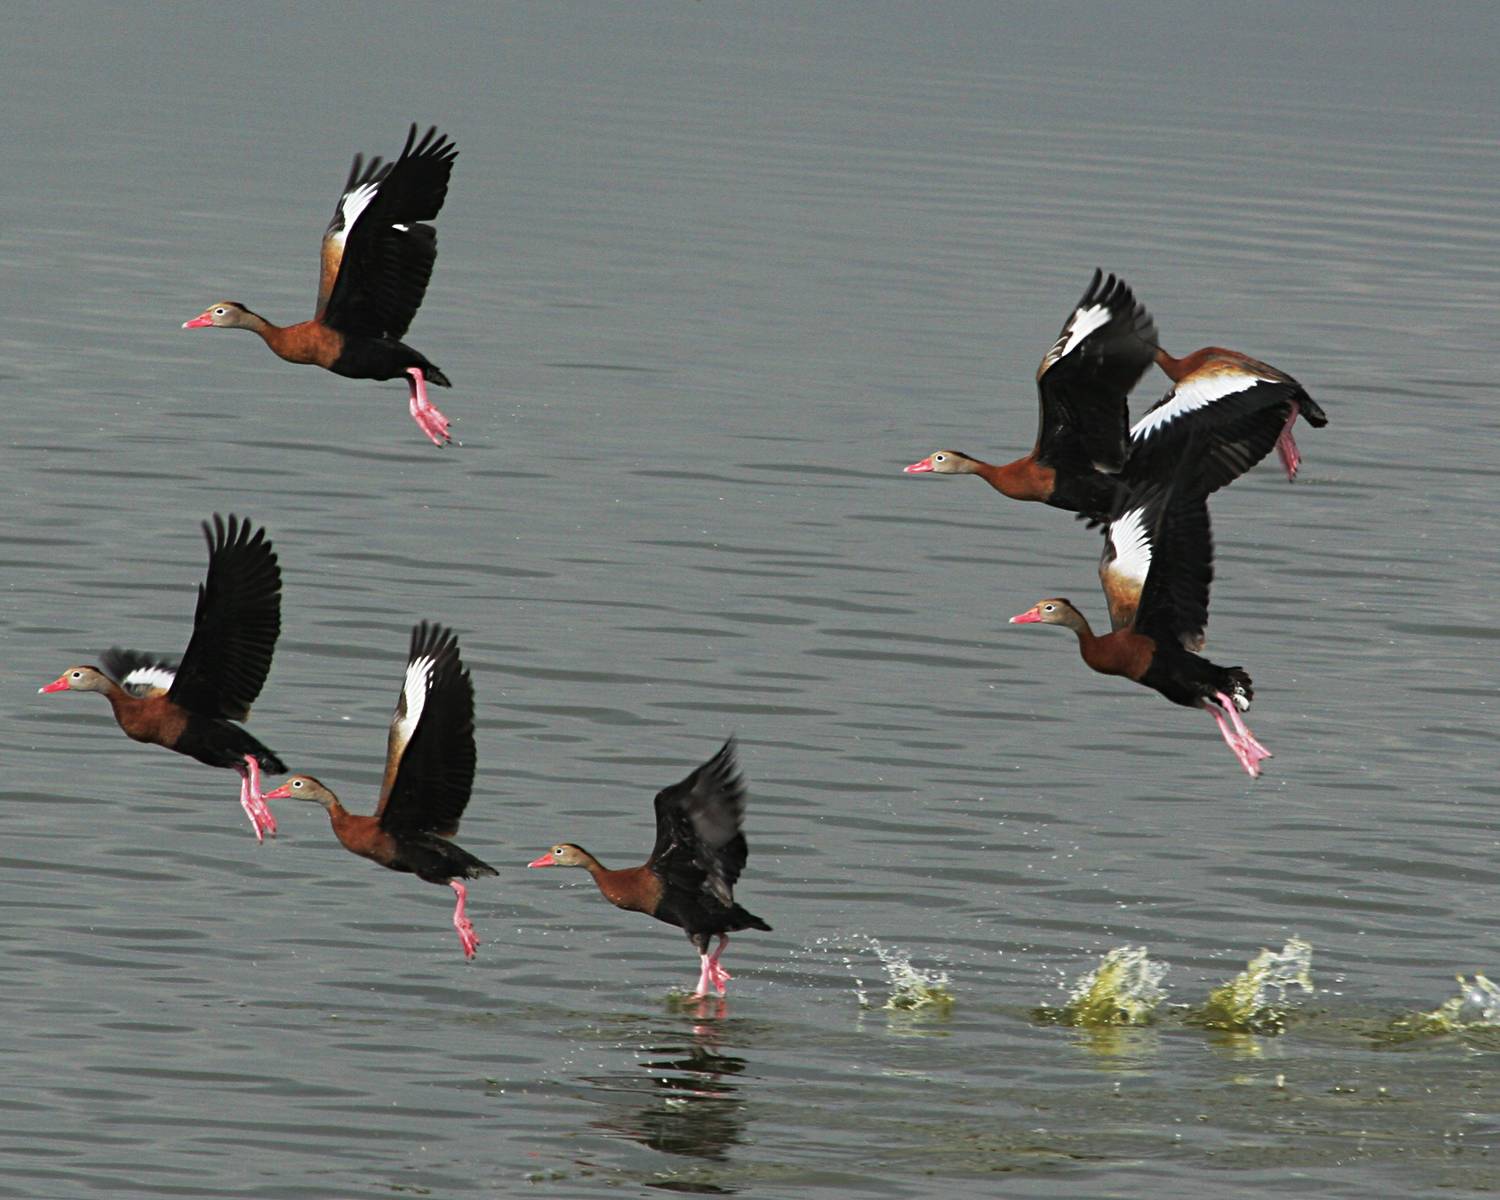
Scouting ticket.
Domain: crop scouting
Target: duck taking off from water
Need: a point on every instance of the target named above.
(193, 707)
(429, 774)
(377, 258)
(1156, 570)
(1087, 461)
(688, 880)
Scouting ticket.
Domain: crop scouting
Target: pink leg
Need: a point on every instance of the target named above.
(424, 412)
(717, 974)
(1286, 447)
(1241, 728)
(466, 934)
(255, 808)
(1249, 755)
(705, 977)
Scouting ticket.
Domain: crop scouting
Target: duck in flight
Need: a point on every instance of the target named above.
(193, 707)
(378, 253)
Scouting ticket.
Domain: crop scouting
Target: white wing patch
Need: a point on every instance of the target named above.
(354, 202)
(143, 680)
(1198, 391)
(413, 698)
(1083, 322)
(1132, 547)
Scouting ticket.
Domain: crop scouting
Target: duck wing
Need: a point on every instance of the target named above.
(699, 845)
(1235, 406)
(430, 757)
(377, 252)
(1157, 564)
(139, 673)
(1106, 345)
(236, 624)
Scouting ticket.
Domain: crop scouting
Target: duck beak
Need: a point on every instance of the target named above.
(545, 861)
(198, 322)
(1029, 617)
(284, 792)
(60, 684)
(918, 468)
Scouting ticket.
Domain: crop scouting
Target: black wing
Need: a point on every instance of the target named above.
(430, 757)
(1083, 382)
(1234, 408)
(236, 624)
(698, 840)
(1174, 601)
(139, 673)
(387, 254)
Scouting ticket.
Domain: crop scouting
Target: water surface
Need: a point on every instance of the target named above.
(709, 276)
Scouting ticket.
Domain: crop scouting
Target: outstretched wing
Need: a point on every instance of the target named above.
(138, 673)
(430, 757)
(236, 624)
(1083, 382)
(377, 255)
(698, 840)
(1158, 563)
(1235, 407)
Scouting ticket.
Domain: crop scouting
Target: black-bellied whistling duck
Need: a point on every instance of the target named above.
(1235, 408)
(1156, 570)
(377, 259)
(1242, 405)
(429, 773)
(1106, 345)
(192, 707)
(689, 879)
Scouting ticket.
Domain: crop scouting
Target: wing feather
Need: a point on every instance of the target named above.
(382, 252)
(235, 627)
(699, 845)
(430, 755)
(1106, 345)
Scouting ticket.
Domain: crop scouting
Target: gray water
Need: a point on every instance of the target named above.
(709, 276)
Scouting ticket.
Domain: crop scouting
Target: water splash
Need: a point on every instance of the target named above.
(1124, 989)
(1245, 1005)
(911, 988)
(1477, 1006)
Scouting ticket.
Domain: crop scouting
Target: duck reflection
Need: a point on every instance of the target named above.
(680, 1099)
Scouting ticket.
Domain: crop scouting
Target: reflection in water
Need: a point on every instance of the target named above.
(680, 1100)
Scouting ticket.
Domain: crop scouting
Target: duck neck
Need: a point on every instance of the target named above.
(119, 699)
(1023, 479)
(338, 816)
(1079, 624)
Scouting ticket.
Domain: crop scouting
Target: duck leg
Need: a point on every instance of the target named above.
(718, 976)
(424, 412)
(255, 807)
(1286, 447)
(1245, 747)
(1241, 728)
(705, 976)
(466, 935)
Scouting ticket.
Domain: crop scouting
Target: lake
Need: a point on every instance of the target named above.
(709, 276)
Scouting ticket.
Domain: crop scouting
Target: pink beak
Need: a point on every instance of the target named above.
(917, 468)
(284, 792)
(1029, 617)
(198, 322)
(545, 861)
(57, 685)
